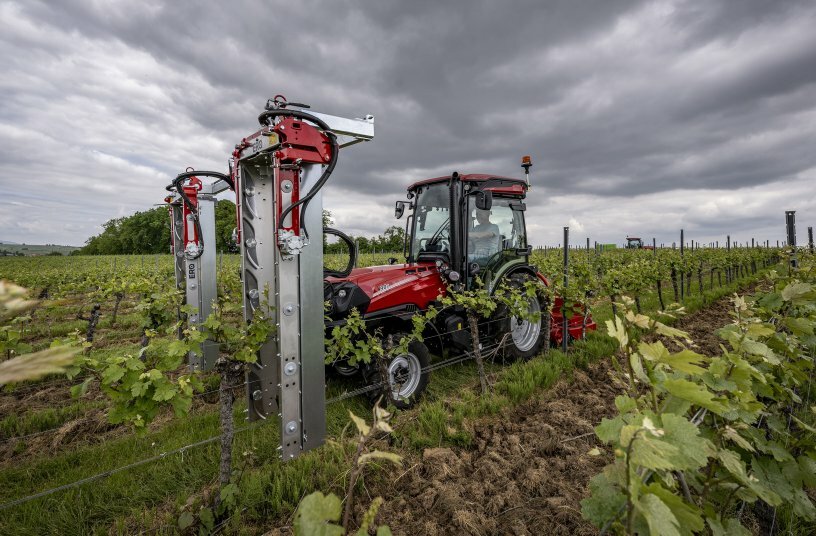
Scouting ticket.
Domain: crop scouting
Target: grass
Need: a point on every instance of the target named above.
(151, 495)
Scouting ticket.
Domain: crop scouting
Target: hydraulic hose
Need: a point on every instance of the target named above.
(352, 254)
(176, 185)
(264, 118)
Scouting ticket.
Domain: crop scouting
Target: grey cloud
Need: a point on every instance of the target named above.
(614, 100)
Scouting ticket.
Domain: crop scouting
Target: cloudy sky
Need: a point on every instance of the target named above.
(642, 117)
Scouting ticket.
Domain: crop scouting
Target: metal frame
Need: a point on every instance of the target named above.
(288, 379)
(197, 277)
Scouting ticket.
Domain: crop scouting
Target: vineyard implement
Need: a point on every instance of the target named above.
(191, 204)
(279, 172)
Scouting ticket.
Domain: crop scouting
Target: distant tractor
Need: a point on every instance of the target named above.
(633, 242)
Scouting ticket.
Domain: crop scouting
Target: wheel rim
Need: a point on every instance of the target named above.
(525, 333)
(404, 372)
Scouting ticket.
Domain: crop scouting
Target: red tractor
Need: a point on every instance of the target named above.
(460, 229)
(633, 242)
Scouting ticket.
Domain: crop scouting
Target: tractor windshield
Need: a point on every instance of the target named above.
(432, 221)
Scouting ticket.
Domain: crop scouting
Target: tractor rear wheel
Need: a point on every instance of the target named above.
(523, 338)
(405, 373)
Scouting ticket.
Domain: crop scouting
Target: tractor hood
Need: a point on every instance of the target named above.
(408, 286)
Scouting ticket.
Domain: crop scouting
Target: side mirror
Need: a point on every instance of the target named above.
(399, 209)
(484, 200)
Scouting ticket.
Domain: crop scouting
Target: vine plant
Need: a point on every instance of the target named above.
(696, 436)
(319, 514)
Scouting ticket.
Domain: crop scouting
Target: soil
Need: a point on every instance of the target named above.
(527, 474)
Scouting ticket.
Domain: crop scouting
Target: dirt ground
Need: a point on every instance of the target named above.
(527, 474)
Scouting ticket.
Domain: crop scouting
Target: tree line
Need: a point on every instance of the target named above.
(148, 232)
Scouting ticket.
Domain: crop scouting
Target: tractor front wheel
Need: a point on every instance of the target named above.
(406, 375)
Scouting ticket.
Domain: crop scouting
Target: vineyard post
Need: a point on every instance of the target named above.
(810, 238)
(565, 321)
(682, 271)
(790, 224)
(587, 243)
(654, 246)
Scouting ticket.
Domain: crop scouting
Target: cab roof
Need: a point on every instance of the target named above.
(503, 185)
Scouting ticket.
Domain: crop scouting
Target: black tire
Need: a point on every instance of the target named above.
(522, 340)
(407, 367)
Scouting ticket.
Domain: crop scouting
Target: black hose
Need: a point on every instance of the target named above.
(264, 118)
(352, 253)
(176, 185)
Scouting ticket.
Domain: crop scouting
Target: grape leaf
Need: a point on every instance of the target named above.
(658, 515)
(318, 514)
(164, 391)
(688, 516)
(606, 499)
(696, 394)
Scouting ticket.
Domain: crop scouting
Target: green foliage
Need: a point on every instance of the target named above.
(320, 514)
(148, 232)
(697, 434)
(139, 386)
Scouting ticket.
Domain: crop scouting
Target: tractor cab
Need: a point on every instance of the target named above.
(470, 226)
(633, 242)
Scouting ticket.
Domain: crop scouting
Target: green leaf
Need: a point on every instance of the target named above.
(685, 361)
(734, 436)
(653, 351)
(384, 530)
(795, 290)
(380, 455)
(663, 329)
(616, 330)
(181, 405)
(625, 404)
(637, 368)
(771, 301)
(112, 374)
(138, 388)
(164, 391)
(799, 326)
(653, 453)
(731, 527)
(207, 518)
(694, 393)
(658, 515)
(229, 495)
(606, 499)
(694, 450)
(317, 514)
(807, 468)
(609, 430)
(82, 388)
(688, 516)
(185, 520)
